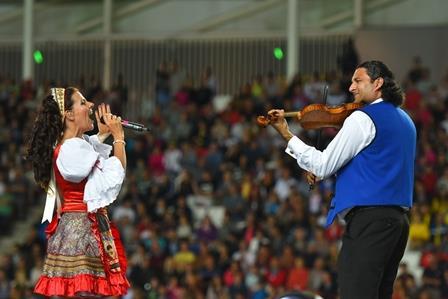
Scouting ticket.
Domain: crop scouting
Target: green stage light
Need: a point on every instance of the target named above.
(278, 53)
(38, 57)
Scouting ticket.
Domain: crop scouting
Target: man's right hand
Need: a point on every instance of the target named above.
(311, 178)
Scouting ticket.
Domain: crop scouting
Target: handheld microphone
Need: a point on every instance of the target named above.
(130, 125)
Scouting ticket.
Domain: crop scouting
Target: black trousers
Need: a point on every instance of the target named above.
(372, 247)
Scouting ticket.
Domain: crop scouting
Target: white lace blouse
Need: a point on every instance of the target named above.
(87, 157)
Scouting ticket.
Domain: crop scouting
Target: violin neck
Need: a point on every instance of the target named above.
(291, 114)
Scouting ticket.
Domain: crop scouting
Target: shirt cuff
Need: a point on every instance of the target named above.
(102, 137)
(295, 147)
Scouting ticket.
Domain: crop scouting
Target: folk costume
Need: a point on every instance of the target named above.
(85, 256)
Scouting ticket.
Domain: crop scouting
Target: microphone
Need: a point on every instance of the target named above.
(130, 125)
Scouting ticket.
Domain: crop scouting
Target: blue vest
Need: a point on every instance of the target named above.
(383, 172)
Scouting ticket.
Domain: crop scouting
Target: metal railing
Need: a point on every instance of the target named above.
(234, 61)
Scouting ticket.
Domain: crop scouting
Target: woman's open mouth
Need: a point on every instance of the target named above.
(91, 114)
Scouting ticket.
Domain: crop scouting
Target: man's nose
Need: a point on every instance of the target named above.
(351, 88)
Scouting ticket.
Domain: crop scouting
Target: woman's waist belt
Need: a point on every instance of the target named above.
(78, 206)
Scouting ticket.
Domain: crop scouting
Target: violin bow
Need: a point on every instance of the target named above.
(319, 132)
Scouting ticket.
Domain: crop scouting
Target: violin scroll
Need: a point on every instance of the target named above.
(263, 121)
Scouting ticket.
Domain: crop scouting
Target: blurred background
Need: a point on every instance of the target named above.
(212, 207)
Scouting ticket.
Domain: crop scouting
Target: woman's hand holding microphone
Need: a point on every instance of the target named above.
(112, 125)
(108, 123)
(113, 122)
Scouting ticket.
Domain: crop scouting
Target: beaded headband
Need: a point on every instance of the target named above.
(58, 96)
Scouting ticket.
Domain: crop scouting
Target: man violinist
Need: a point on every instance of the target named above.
(373, 158)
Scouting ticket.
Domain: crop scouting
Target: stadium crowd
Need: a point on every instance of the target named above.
(212, 207)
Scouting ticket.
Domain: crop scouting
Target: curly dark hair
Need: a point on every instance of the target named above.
(47, 131)
(391, 91)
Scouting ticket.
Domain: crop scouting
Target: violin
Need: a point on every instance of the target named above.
(316, 116)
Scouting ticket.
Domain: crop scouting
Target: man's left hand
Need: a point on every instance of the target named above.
(278, 121)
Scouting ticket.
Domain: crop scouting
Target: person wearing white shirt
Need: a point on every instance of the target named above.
(373, 158)
(85, 256)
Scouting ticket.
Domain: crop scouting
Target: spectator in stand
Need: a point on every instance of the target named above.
(443, 86)
(413, 98)
(275, 276)
(415, 74)
(314, 87)
(5, 285)
(184, 257)
(298, 276)
(432, 276)
(216, 290)
(407, 280)
(349, 58)
(162, 88)
(206, 231)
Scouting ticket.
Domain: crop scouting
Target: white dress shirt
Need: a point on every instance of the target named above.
(357, 132)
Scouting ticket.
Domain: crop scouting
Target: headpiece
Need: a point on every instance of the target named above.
(58, 96)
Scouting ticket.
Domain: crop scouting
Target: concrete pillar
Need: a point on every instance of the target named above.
(292, 53)
(107, 30)
(27, 42)
(358, 13)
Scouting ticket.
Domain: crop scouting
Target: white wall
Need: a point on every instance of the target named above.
(397, 46)
(411, 13)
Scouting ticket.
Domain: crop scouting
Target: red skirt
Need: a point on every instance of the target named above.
(82, 259)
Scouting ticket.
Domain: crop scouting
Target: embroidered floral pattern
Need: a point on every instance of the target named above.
(73, 249)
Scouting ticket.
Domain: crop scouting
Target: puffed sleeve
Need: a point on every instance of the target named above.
(76, 159)
(104, 183)
(102, 148)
